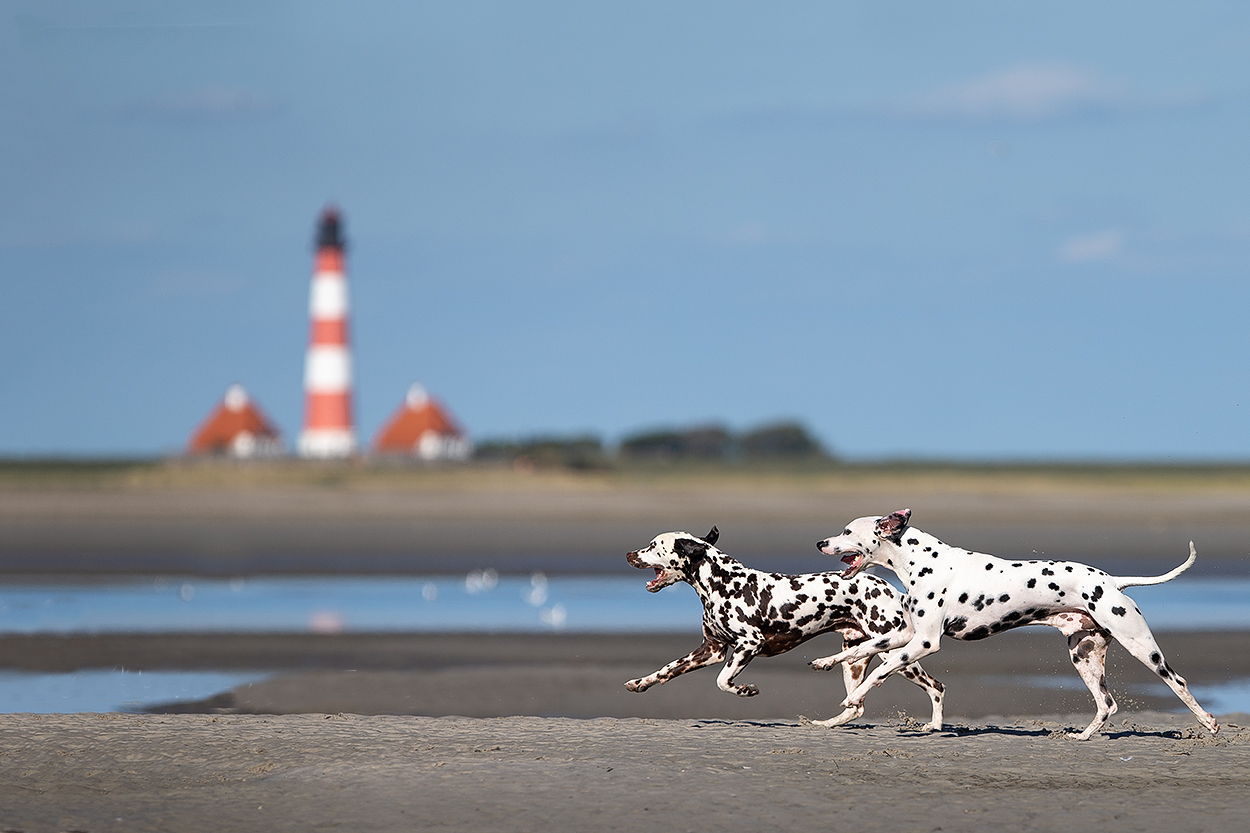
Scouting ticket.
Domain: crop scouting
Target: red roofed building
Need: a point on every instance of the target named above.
(236, 428)
(422, 428)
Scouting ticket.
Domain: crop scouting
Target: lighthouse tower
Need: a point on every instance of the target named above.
(328, 429)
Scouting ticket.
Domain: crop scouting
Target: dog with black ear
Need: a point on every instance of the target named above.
(749, 613)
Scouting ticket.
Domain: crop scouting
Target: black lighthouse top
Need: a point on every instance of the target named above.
(330, 230)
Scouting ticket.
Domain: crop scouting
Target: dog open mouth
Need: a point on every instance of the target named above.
(853, 561)
(659, 582)
(662, 577)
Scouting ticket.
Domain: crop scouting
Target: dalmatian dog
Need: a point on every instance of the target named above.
(969, 595)
(749, 613)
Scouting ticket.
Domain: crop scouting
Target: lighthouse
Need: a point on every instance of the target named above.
(328, 428)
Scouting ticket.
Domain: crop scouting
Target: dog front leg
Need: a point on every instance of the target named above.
(852, 673)
(709, 653)
(921, 645)
(864, 650)
(738, 659)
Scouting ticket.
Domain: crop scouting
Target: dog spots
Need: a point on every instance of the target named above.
(1156, 658)
(1097, 594)
(913, 541)
(1046, 572)
(926, 645)
(1004, 598)
(977, 633)
(924, 572)
(989, 566)
(1053, 586)
(963, 597)
(1068, 568)
(930, 595)
(940, 601)
(1031, 583)
(955, 625)
(1118, 611)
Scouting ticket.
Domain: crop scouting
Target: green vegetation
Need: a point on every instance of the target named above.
(582, 463)
(781, 441)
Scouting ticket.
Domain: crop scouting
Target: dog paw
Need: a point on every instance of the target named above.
(637, 685)
(823, 664)
(747, 691)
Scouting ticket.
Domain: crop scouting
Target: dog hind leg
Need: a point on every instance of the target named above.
(1140, 642)
(1088, 652)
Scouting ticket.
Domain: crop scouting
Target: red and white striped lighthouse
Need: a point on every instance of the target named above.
(328, 429)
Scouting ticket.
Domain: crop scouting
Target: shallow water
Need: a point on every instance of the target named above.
(111, 690)
(480, 601)
(132, 691)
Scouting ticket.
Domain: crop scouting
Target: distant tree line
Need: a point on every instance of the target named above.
(706, 443)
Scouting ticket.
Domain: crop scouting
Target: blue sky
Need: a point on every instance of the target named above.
(968, 230)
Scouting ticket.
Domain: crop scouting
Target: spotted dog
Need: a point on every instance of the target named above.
(969, 595)
(749, 613)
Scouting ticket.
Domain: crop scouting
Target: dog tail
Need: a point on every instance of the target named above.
(1139, 581)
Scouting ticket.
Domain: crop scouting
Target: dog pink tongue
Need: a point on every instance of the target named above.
(848, 559)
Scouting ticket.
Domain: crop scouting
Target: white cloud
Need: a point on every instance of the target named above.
(1023, 93)
(1090, 248)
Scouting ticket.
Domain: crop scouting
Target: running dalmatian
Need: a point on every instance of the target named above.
(749, 613)
(969, 595)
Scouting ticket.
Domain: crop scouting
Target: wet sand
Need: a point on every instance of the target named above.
(582, 676)
(104, 773)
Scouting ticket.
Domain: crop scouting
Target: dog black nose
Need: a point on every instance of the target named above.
(820, 545)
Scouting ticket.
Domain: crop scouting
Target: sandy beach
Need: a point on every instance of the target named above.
(106, 773)
(480, 731)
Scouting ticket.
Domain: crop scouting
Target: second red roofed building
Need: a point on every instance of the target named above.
(236, 428)
(422, 428)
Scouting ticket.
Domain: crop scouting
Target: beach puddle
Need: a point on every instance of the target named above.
(1222, 698)
(111, 691)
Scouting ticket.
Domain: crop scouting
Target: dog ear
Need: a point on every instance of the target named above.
(712, 536)
(691, 548)
(892, 525)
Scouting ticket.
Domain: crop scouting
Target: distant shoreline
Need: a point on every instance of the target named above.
(222, 519)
